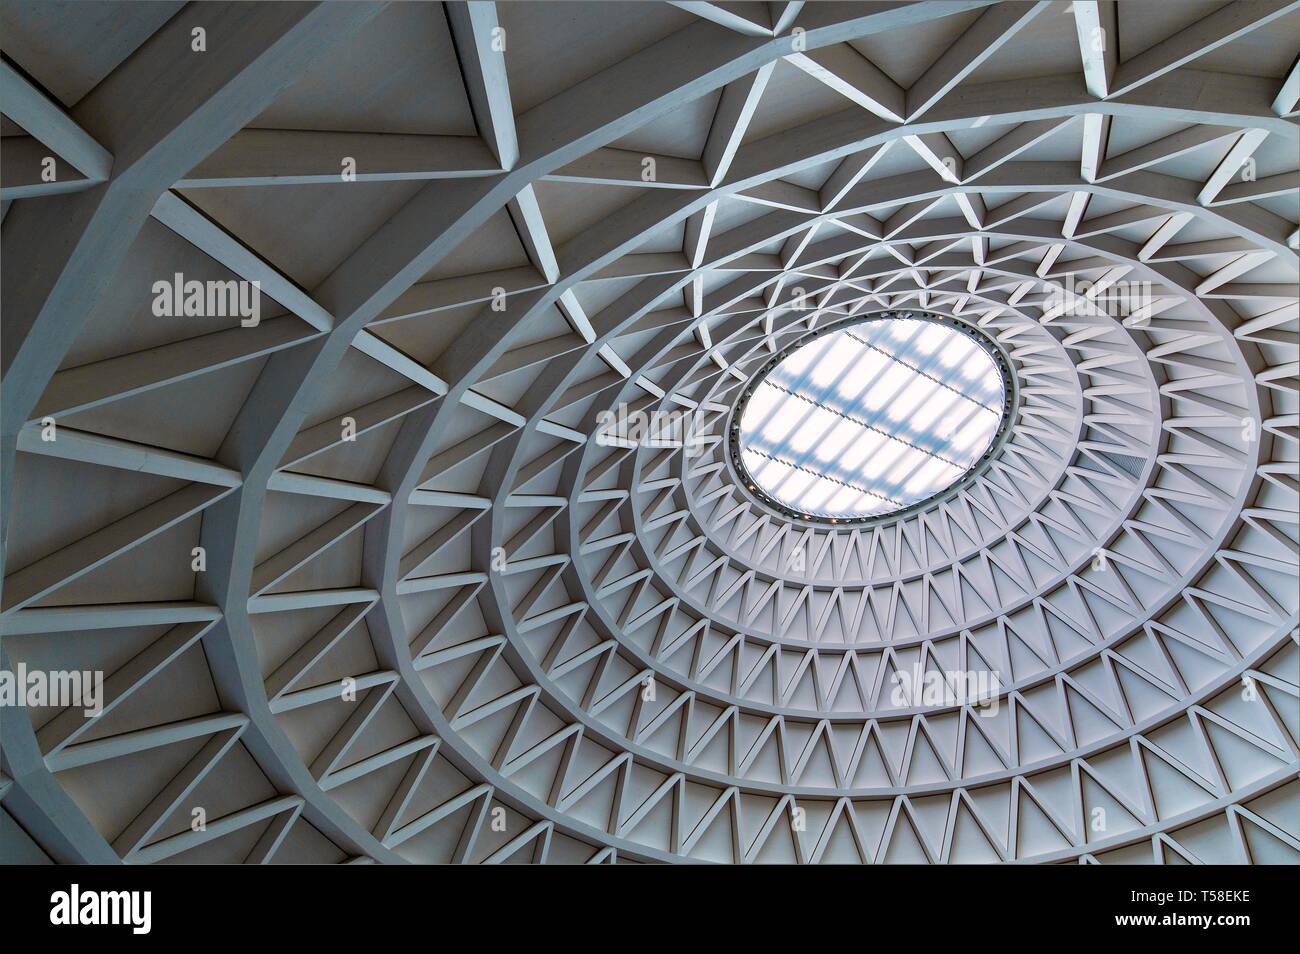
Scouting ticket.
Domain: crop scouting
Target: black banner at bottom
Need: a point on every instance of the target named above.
(350, 903)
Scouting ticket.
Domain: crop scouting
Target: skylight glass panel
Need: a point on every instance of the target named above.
(872, 418)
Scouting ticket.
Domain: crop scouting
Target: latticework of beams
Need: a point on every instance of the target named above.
(365, 583)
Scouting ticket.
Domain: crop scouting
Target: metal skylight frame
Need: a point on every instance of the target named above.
(1009, 409)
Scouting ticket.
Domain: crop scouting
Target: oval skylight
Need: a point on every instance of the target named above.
(871, 419)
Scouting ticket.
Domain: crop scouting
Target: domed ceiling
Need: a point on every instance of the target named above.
(367, 581)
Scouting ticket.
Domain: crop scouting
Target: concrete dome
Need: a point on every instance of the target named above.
(362, 585)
